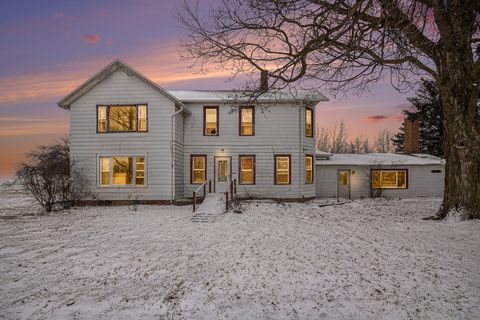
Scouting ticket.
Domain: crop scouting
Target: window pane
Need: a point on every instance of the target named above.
(282, 163)
(402, 179)
(142, 118)
(308, 122)
(102, 119)
(140, 171)
(198, 169)
(282, 174)
(122, 170)
(309, 169)
(388, 179)
(105, 171)
(282, 177)
(222, 171)
(211, 121)
(376, 179)
(246, 165)
(123, 118)
(343, 178)
(247, 121)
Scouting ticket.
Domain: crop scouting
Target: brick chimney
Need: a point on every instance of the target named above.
(412, 136)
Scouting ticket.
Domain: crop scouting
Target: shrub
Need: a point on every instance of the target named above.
(50, 177)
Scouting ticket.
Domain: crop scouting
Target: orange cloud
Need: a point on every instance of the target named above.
(163, 66)
(91, 38)
(24, 126)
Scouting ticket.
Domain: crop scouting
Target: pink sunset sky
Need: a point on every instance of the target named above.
(50, 47)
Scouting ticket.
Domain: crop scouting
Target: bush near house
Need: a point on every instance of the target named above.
(49, 176)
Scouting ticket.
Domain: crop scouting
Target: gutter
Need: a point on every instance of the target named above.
(172, 152)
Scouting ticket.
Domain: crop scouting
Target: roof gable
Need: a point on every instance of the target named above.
(117, 64)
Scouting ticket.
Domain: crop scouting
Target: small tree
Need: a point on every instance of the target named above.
(49, 175)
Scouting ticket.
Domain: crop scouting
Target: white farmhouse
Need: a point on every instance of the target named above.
(134, 140)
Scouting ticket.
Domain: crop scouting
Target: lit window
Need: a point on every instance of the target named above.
(122, 118)
(282, 169)
(105, 171)
(309, 169)
(247, 169)
(309, 122)
(121, 170)
(198, 174)
(389, 179)
(211, 121)
(142, 118)
(247, 116)
(102, 119)
(140, 171)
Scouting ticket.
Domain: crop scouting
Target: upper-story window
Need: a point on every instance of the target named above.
(308, 122)
(210, 121)
(247, 121)
(122, 118)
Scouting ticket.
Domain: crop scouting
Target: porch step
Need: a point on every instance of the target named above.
(211, 209)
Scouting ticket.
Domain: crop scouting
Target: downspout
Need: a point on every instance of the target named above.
(172, 154)
(300, 150)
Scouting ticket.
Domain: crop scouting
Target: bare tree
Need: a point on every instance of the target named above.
(50, 177)
(347, 44)
(335, 139)
(383, 142)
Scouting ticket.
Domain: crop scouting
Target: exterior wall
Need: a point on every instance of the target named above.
(87, 145)
(279, 129)
(179, 165)
(421, 181)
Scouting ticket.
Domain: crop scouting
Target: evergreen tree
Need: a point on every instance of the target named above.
(425, 107)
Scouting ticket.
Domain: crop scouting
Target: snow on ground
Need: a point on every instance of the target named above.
(368, 259)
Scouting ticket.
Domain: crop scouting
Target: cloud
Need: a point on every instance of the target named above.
(110, 42)
(91, 38)
(376, 118)
(162, 66)
(24, 126)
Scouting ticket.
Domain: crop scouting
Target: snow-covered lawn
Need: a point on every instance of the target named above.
(369, 259)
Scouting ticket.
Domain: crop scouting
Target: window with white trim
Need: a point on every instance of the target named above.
(389, 179)
(122, 170)
(122, 118)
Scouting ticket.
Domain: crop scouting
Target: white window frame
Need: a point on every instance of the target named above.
(114, 155)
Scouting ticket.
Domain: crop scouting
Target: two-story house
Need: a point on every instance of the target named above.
(133, 139)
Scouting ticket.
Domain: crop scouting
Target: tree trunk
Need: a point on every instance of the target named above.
(462, 143)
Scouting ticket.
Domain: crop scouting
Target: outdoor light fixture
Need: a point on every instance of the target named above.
(222, 151)
(353, 172)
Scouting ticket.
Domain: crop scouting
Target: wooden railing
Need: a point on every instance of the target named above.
(204, 186)
(232, 186)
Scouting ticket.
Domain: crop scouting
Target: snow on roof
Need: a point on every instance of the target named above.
(380, 159)
(232, 95)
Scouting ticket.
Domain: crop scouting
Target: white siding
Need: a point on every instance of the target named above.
(179, 165)
(87, 145)
(278, 130)
(421, 181)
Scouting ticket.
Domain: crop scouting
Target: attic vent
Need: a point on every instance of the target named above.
(436, 171)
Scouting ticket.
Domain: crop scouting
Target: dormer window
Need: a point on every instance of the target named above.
(122, 118)
(210, 121)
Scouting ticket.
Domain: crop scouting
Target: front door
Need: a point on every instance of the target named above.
(343, 184)
(222, 174)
